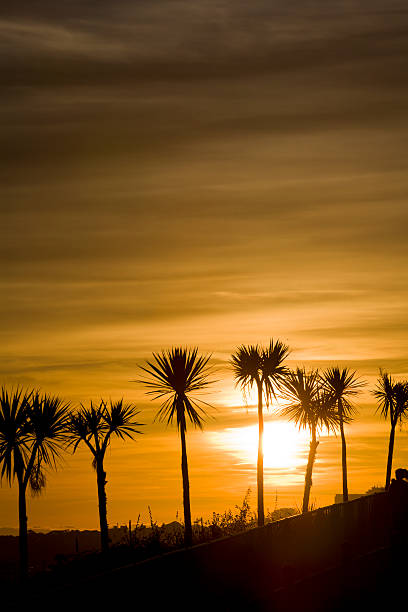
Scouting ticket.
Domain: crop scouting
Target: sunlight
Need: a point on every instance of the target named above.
(234, 398)
(284, 445)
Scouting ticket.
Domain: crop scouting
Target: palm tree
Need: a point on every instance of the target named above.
(263, 367)
(175, 375)
(95, 426)
(310, 407)
(392, 400)
(32, 432)
(342, 385)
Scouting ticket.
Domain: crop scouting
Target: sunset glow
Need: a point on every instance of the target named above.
(284, 445)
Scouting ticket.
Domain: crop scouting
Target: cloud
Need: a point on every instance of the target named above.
(170, 167)
(24, 37)
(180, 40)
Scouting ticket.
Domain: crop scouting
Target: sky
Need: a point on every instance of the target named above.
(202, 173)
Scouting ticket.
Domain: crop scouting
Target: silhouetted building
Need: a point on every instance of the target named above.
(339, 497)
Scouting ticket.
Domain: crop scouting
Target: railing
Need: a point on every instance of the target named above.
(256, 570)
(288, 550)
(327, 536)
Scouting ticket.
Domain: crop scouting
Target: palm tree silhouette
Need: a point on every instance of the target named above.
(32, 433)
(95, 426)
(263, 367)
(342, 384)
(392, 400)
(310, 407)
(175, 375)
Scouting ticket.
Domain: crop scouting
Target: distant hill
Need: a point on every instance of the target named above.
(45, 547)
(58, 547)
(5, 531)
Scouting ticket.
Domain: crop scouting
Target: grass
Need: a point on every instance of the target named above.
(146, 541)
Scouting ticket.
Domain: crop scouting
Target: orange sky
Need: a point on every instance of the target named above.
(210, 173)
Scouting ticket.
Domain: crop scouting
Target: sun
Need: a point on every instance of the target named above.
(284, 444)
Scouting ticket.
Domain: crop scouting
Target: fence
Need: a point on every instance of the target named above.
(248, 571)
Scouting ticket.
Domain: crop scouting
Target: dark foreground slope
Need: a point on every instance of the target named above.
(330, 558)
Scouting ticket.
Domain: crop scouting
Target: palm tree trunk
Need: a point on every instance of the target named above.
(390, 454)
(308, 477)
(260, 478)
(103, 517)
(22, 533)
(343, 453)
(188, 531)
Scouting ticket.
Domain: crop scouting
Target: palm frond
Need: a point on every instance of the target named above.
(37, 479)
(392, 398)
(48, 416)
(246, 364)
(94, 425)
(15, 430)
(120, 419)
(384, 393)
(174, 375)
(94, 418)
(261, 365)
(77, 429)
(309, 404)
(273, 370)
(401, 400)
(343, 384)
